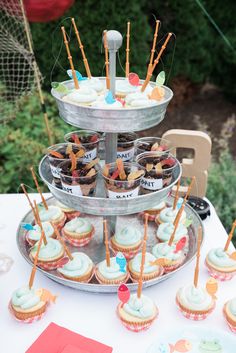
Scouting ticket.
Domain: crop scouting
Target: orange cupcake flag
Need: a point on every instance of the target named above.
(127, 50)
(160, 262)
(140, 282)
(230, 236)
(212, 287)
(176, 195)
(31, 205)
(108, 258)
(106, 59)
(153, 45)
(233, 256)
(196, 272)
(86, 65)
(182, 346)
(39, 223)
(157, 93)
(76, 82)
(46, 295)
(38, 188)
(60, 238)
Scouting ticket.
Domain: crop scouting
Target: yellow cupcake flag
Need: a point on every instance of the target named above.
(212, 287)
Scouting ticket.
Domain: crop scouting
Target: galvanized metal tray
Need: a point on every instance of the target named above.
(99, 204)
(112, 120)
(96, 249)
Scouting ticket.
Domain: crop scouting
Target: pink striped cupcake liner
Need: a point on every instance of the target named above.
(230, 325)
(170, 268)
(161, 272)
(79, 242)
(195, 316)
(121, 281)
(30, 320)
(221, 276)
(136, 327)
(71, 279)
(129, 254)
(52, 265)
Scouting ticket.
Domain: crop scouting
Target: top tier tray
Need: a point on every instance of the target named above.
(112, 120)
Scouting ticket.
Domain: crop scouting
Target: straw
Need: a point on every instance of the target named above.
(40, 223)
(176, 195)
(156, 61)
(86, 65)
(140, 282)
(32, 275)
(179, 214)
(127, 50)
(108, 259)
(106, 59)
(76, 82)
(62, 241)
(153, 45)
(196, 272)
(31, 205)
(230, 236)
(38, 188)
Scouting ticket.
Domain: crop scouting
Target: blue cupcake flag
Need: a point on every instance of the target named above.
(121, 261)
(78, 75)
(109, 98)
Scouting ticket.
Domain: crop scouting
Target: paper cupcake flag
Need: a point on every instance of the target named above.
(212, 287)
(133, 79)
(161, 77)
(78, 75)
(27, 226)
(121, 261)
(109, 98)
(60, 87)
(123, 293)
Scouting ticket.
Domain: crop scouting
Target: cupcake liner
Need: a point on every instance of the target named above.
(151, 217)
(231, 325)
(128, 254)
(77, 279)
(221, 276)
(112, 281)
(33, 242)
(195, 316)
(79, 242)
(148, 277)
(29, 320)
(52, 265)
(71, 215)
(60, 224)
(170, 268)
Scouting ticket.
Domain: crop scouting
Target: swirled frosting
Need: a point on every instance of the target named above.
(83, 95)
(53, 213)
(168, 215)
(220, 258)
(76, 267)
(25, 298)
(232, 306)
(194, 298)
(128, 235)
(94, 83)
(163, 250)
(142, 307)
(136, 263)
(111, 272)
(124, 87)
(139, 99)
(101, 103)
(165, 231)
(35, 233)
(64, 208)
(78, 225)
(52, 249)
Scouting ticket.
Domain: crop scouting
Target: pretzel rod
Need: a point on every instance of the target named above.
(38, 188)
(86, 65)
(156, 61)
(175, 228)
(196, 272)
(153, 45)
(32, 275)
(230, 236)
(140, 282)
(40, 223)
(31, 205)
(62, 241)
(106, 59)
(185, 199)
(76, 82)
(108, 259)
(127, 50)
(176, 195)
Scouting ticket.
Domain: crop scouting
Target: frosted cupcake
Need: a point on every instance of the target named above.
(84, 96)
(154, 211)
(127, 240)
(138, 313)
(50, 255)
(101, 103)
(54, 214)
(123, 87)
(33, 235)
(93, 83)
(220, 265)
(111, 274)
(168, 216)
(173, 259)
(80, 269)
(150, 271)
(78, 231)
(229, 311)
(195, 303)
(139, 99)
(69, 212)
(165, 230)
(26, 305)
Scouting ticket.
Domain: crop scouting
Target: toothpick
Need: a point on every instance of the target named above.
(32, 275)
(31, 205)
(62, 241)
(176, 195)
(140, 282)
(38, 188)
(40, 223)
(127, 50)
(230, 236)
(179, 214)
(153, 45)
(76, 82)
(108, 260)
(106, 59)
(156, 61)
(196, 272)
(86, 65)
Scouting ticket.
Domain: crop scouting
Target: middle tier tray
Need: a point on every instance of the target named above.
(99, 205)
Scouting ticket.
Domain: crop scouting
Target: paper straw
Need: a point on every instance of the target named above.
(76, 82)
(127, 50)
(106, 59)
(108, 259)
(196, 272)
(230, 236)
(38, 188)
(140, 282)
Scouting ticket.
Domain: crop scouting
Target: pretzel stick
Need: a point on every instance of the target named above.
(31, 205)
(140, 282)
(40, 223)
(153, 45)
(230, 236)
(106, 59)
(176, 195)
(108, 259)
(185, 199)
(76, 82)
(196, 272)
(38, 188)
(127, 50)
(32, 275)
(62, 241)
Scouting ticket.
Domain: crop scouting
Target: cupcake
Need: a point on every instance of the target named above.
(33, 235)
(50, 255)
(139, 99)
(123, 87)
(138, 313)
(168, 216)
(103, 104)
(127, 240)
(229, 311)
(173, 258)
(69, 212)
(93, 83)
(149, 272)
(83, 96)
(80, 269)
(54, 214)
(78, 231)
(220, 265)
(195, 303)
(26, 305)
(154, 211)
(165, 230)
(112, 274)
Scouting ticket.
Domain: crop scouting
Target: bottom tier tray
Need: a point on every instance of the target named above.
(96, 249)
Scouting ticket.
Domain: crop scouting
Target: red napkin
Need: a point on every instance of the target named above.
(57, 339)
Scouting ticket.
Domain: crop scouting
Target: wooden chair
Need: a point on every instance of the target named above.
(199, 144)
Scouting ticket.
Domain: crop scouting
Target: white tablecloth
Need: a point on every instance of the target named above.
(94, 315)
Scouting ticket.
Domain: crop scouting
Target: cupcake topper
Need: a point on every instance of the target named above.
(212, 287)
(39, 223)
(123, 293)
(108, 260)
(230, 236)
(196, 272)
(153, 45)
(59, 237)
(38, 188)
(140, 282)
(106, 59)
(86, 65)
(161, 77)
(76, 82)
(127, 50)
(31, 205)
(180, 245)
(175, 228)
(156, 61)
(179, 214)
(176, 195)
(109, 98)
(133, 79)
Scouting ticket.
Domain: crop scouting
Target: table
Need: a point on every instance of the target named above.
(93, 315)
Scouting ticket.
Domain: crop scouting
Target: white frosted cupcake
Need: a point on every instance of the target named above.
(229, 311)
(168, 216)
(111, 274)
(139, 99)
(54, 214)
(33, 235)
(173, 259)
(93, 83)
(123, 87)
(50, 255)
(84, 96)
(149, 272)
(78, 231)
(101, 103)
(165, 230)
(220, 265)
(69, 212)
(154, 211)
(80, 269)
(127, 240)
